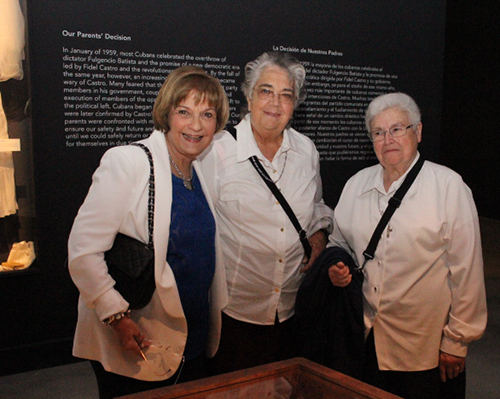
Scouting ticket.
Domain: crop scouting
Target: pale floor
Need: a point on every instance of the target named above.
(76, 381)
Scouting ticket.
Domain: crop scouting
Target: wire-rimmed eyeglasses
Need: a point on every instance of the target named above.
(265, 94)
(395, 131)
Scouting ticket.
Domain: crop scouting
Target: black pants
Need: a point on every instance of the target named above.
(410, 384)
(112, 385)
(244, 345)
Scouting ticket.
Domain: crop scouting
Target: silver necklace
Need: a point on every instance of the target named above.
(281, 174)
(187, 182)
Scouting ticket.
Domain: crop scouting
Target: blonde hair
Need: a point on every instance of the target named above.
(179, 85)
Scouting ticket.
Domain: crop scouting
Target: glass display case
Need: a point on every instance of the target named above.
(296, 378)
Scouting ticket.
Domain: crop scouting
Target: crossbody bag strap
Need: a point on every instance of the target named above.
(394, 203)
(151, 193)
(284, 204)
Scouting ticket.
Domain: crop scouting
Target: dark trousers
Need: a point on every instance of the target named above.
(410, 384)
(244, 345)
(111, 385)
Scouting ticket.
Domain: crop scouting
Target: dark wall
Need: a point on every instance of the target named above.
(470, 124)
(39, 305)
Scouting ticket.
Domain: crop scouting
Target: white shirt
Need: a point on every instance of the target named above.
(424, 290)
(261, 248)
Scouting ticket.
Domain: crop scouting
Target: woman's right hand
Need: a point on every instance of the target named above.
(129, 335)
(339, 275)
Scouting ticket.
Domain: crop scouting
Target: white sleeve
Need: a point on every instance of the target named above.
(323, 214)
(468, 314)
(94, 230)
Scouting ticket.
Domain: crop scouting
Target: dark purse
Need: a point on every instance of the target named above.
(131, 262)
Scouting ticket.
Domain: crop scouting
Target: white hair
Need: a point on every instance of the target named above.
(400, 101)
(292, 66)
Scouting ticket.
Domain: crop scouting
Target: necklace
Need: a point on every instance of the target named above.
(281, 174)
(187, 182)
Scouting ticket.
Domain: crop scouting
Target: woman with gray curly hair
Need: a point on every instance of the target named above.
(263, 255)
(295, 69)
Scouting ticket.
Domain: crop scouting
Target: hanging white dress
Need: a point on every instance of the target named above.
(11, 67)
(11, 40)
(8, 204)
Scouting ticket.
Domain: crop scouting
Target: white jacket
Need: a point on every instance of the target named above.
(117, 202)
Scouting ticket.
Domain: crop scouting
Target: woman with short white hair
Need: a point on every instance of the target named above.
(424, 295)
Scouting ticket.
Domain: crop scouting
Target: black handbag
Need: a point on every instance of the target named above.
(131, 262)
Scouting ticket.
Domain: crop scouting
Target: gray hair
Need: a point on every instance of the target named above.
(291, 65)
(400, 101)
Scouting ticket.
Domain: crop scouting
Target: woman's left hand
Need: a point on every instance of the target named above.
(318, 243)
(450, 366)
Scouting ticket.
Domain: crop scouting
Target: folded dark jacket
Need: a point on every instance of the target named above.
(330, 319)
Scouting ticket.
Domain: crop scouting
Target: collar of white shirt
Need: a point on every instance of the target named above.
(376, 182)
(247, 146)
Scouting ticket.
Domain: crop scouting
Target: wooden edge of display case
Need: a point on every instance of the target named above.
(301, 378)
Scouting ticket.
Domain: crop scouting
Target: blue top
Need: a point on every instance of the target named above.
(191, 255)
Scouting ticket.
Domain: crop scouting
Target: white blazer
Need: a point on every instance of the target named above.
(117, 202)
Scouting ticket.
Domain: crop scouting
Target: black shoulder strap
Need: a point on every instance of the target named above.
(284, 204)
(232, 130)
(151, 201)
(394, 203)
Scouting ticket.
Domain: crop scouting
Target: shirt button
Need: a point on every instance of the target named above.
(277, 289)
(280, 261)
(277, 202)
(282, 229)
(375, 289)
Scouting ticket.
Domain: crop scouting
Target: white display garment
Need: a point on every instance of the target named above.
(8, 204)
(11, 56)
(11, 40)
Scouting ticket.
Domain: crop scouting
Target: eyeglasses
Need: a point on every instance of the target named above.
(267, 95)
(395, 131)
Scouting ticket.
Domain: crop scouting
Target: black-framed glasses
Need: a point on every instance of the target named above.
(395, 131)
(265, 94)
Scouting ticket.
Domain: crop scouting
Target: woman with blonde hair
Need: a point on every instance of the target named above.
(165, 341)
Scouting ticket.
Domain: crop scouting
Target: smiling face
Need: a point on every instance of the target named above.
(192, 129)
(396, 153)
(270, 117)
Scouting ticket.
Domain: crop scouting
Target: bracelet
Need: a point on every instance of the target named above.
(118, 316)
